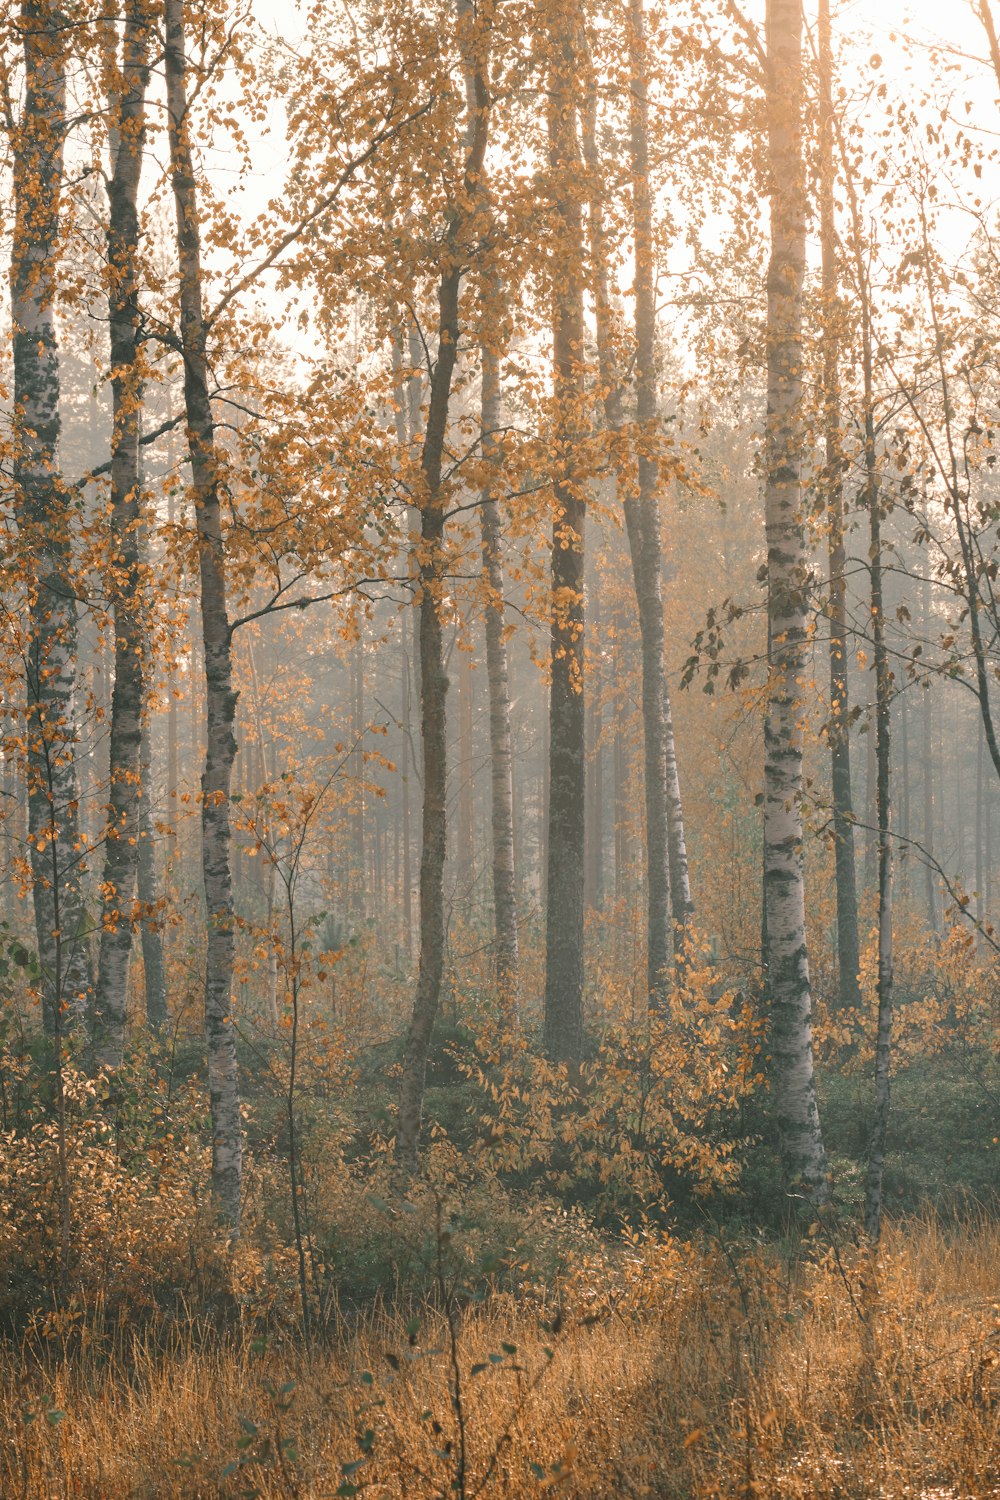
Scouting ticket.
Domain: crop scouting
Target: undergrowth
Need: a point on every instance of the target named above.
(721, 1369)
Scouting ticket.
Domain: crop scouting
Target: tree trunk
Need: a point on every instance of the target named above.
(465, 852)
(406, 432)
(593, 893)
(927, 766)
(567, 762)
(905, 824)
(220, 699)
(357, 882)
(666, 877)
(838, 727)
(154, 972)
(433, 680)
(126, 574)
(883, 705)
(802, 1153)
(505, 953)
(44, 509)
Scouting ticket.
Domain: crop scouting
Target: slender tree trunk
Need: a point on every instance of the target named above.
(44, 512)
(648, 568)
(154, 971)
(220, 698)
(883, 706)
(567, 762)
(506, 962)
(988, 847)
(883, 720)
(956, 779)
(620, 780)
(803, 1156)
(404, 770)
(980, 888)
(406, 432)
(595, 768)
(905, 824)
(268, 776)
(927, 759)
(126, 574)
(666, 876)
(465, 853)
(357, 882)
(433, 680)
(681, 901)
(838, 728)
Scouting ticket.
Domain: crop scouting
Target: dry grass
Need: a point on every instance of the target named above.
(710, 1375)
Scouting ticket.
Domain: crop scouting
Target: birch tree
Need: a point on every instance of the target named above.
(44, 511)
(788, 981)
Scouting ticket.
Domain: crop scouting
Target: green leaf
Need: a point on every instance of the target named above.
(478, 1369)
(347, 1489)
(367, 1378)
(248, 1426)
(509, 1348)
(54, 1416)
(349, 1470)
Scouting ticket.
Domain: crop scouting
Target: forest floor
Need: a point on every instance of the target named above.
(724, 1369)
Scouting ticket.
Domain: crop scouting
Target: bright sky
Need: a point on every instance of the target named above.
(861, 27)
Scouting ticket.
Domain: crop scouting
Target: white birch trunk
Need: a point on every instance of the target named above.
(44, 518)
(788, 982)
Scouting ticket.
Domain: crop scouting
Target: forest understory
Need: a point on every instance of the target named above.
(720, 1368)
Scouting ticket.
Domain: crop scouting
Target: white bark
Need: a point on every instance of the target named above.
(44, 517)
(788, 982)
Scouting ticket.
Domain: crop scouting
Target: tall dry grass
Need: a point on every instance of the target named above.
(721, 1373)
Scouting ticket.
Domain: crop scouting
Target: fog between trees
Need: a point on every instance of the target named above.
(499, 654)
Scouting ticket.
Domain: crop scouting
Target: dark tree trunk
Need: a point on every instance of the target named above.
(220, 698)
(154, 971)
(567, 761)
(126, 574)
(433, 679)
